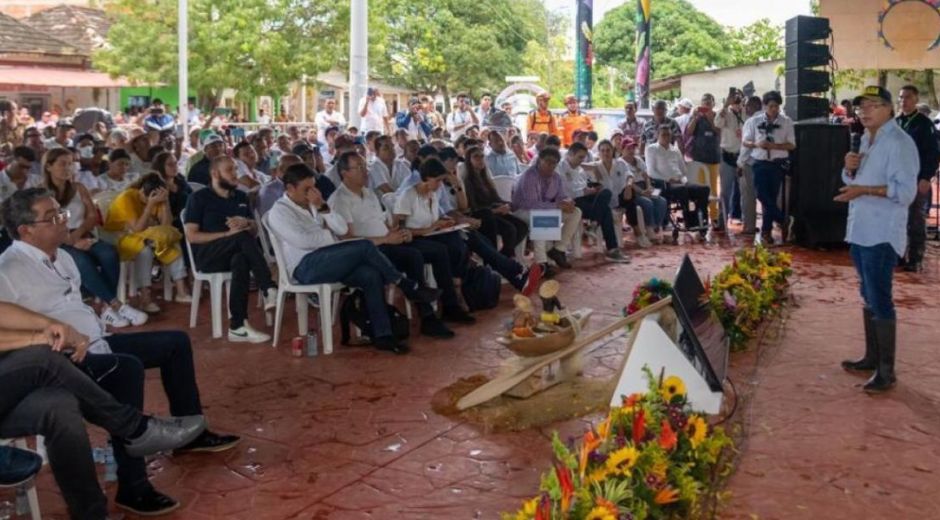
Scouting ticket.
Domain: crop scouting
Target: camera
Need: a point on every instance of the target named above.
(768, 130)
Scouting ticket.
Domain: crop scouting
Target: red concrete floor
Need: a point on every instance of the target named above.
(352, 435)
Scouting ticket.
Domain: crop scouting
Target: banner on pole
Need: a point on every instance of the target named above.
(584, 57)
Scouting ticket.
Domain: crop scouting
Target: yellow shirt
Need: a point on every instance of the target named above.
(125, 209)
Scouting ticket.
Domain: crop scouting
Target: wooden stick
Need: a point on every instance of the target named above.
(497, 387)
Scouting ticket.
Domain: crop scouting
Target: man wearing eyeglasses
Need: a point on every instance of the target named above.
(881, 183)
(37, 275)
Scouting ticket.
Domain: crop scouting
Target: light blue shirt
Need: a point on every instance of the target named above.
(891, 161)
(503, 164)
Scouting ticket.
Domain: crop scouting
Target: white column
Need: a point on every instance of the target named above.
(358, 58)
(183, 39)
(303, 99)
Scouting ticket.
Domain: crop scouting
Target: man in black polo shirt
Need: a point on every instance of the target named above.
(212, 146)
(219, 226)
(921, 130)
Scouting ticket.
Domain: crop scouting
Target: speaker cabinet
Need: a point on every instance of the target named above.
(817, 166)
(807, 29)
(801, 108)
(806, 81)
(801, 55)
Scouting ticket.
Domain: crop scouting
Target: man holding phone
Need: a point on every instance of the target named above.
(730, 121)
(703, 140)
(373, 111)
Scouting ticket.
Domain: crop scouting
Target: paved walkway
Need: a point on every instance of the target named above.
(352, 436)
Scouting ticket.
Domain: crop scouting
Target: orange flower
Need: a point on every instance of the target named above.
(666, 495)
(567, 487)
(639, 427)
(607, 504)
(630, 401)
(603, 429)
(668, 438)
(590, 443)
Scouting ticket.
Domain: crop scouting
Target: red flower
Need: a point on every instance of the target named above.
(668, 438)
(543, 511)
(567, 487)
(639, 427)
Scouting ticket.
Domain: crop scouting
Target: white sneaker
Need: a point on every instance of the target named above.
(246, 334)
(111, 318)
(270, 299)
(134, 316)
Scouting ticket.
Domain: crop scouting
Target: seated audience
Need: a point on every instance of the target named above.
(246, 162)
(500, 161)
(274, 189)
(386, 172)
(485, 204)
(666, 168)
(118, 177)
(640, 192)
(178, 190)
(218, 223)
(212, 146)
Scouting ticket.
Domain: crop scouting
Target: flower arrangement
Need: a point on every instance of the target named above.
(743, 292)
(652, 457)
(647, 294)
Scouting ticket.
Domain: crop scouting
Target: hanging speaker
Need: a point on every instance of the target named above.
(807, 29)
(801, 55)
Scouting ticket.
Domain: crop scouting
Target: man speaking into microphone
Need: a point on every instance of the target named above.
(881, 181)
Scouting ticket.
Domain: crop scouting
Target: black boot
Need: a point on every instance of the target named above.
(869, 362)
(885, 336)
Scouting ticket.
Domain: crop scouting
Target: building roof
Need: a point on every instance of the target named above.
(83, 27)
(54, 77)
(18, 38)
(339, 79)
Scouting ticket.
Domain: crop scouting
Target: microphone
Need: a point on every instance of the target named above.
(854, 148)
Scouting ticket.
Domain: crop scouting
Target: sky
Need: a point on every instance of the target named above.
(736, 13)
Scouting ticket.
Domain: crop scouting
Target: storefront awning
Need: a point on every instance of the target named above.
(16, 78)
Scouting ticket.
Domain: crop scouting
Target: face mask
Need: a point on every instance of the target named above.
(86, 152)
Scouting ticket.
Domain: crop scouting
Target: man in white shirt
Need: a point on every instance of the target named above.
(591, 198)
(373, 112)
(18, 174)
(36, 274)
(386, 172)
(500, 161)
(307, 229)
(250, 179)
(667, 170)
(770, 137)
(327, 118)
(461, 118)
(485, 109)
(684, 113)
(360, 208)
(263, 118)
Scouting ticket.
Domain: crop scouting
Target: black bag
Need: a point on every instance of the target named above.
(481, 288)
(353, 311)
(706, 140)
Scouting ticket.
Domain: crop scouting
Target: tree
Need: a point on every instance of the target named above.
(760, 41)
(255, 47)
(683, 39)
(452, 45)
(549, 58)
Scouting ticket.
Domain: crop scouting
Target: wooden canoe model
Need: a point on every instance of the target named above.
(546, 340)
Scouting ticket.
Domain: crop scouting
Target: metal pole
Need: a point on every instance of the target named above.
(303, 99)
(358, 58)
(183, 39)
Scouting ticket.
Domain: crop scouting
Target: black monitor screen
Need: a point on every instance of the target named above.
(703, 338)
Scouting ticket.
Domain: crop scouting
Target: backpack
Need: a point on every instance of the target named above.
(353, 311)
(481, 288)
(706, 143)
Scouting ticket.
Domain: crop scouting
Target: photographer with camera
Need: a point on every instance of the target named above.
(703, 147)
(730, 120)
(770, 137)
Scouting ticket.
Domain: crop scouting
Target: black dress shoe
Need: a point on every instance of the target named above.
(390, 344)
(433, 328)
(210, 442)
(17, 466)
(458, 315)
(148, 503)
(417, 293)
(559, 257)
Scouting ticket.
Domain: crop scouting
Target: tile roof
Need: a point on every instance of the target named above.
(83, 27)
(18, 38)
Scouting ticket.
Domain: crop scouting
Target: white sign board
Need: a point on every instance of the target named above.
(545, 224)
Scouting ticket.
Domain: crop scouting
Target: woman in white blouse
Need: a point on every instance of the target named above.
(642, 194)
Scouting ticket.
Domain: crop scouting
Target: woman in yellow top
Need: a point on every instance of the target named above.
(142, 215)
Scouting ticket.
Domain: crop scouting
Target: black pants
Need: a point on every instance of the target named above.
(917, 228)
(171, 352)
(410, 259)
(45, 394)
(596, 207)
(508, 227)
(684, 194)
(241, 254)
(508, 268)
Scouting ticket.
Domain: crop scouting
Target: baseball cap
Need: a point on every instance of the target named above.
(569, 98)
(543, 95)
(211, 139)
(873, 92)
(686, 103)
(65, 122)
(302, 148)
(628, 142)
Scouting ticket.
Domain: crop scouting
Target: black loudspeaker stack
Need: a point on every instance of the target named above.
(817, 166)
(807, 68)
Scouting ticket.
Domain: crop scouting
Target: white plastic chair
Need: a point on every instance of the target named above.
(217, 282)
(31, 494)
(196, 186)
(327, 293)
(504, 185)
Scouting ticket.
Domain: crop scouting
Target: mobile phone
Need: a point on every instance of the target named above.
(703, 110)
(592, 184)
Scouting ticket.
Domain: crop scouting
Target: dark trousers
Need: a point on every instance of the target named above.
(505, 266)
(171, 352)
(45, 394)
(457, 251)
(356, 264)
(768, 179)
(875, 266)
(596, 207)
(409, 259)
(917, 227)
(241, 254)
(508, 227)
(684, 194)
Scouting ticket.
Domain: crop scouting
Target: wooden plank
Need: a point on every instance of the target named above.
(498, 386)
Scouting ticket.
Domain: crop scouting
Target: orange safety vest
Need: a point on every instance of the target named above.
(542, 122)
(571, 122)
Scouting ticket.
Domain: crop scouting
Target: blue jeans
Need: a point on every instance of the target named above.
(596, 207)
(768, 178)
(100, 268)
(875, 266)
(654, 210)
(356, 264)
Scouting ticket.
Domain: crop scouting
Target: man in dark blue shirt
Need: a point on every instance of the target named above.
(218, 224)
(212, 146)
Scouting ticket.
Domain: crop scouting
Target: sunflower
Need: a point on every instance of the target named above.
(671, 388)
(622, 460)
(600, 513)
(697, 429)
(598, 475)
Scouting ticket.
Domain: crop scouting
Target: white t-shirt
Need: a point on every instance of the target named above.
(375, 117)
(8, 187)
(574, 178)
(325, 121)
(264, 120)
(421, 212)
(363, 214)
(108, 184)
(615, 179)
(379, 174)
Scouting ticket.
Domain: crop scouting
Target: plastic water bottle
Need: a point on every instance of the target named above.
(312, 344)
(110, 465)
(22, 502)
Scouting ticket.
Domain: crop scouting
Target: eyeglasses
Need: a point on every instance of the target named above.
(59, 218)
